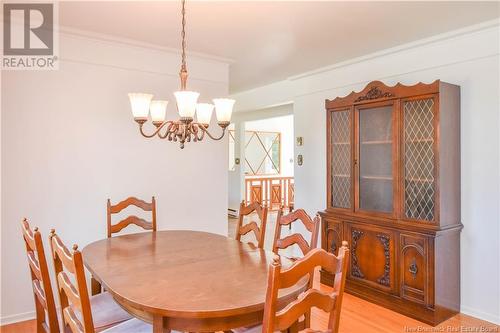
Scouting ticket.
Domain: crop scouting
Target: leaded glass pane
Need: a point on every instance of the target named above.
(419, 159)
(341, 159)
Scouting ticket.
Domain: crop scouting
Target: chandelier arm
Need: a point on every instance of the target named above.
(213, 137)
(168, 130)
(156, 131)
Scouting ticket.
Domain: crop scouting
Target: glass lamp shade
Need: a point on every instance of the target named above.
(186, 103)
(204, 112)
(140, 104)
(223, 109)
(158, 110)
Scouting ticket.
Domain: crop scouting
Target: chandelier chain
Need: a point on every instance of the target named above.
(183, 35)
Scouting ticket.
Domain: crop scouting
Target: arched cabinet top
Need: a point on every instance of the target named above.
(378, 91)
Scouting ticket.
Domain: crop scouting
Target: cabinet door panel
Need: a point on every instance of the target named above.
(332, 236)
(375, 170)
(372, 256)
(419, 159)
(341, 151)
(414, 268)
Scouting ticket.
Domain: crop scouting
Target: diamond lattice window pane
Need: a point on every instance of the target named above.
(341, 159)
(419, 159)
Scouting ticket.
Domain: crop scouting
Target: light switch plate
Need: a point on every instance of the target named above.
(300, 160)
(300, 141)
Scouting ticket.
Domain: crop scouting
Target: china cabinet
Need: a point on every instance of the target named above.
(393, 192)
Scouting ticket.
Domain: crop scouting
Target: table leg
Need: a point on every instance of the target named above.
(158, 326)
(95, 286)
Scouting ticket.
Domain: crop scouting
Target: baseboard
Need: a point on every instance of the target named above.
(17, 318)
(492, 318)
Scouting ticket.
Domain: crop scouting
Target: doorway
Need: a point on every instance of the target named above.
(261, 166)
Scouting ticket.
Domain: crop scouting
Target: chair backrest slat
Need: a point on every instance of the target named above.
(131, 201)
(311, 298)
(258, 230)
(312, 225)
(72, 321)
(46, 313)
(278, 279)
(72, 297)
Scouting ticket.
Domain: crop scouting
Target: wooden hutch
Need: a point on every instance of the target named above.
(393, 192)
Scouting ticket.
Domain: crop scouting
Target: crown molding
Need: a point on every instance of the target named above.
(100, 37)
(400, 48)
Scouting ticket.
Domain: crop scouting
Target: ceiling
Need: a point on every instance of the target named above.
(272, 40)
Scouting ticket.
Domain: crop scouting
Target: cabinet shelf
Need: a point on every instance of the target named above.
(423, 140)
(420, 180)
(341, 175)
(377, 177)
(377, 142)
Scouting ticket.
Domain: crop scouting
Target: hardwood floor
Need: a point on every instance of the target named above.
(358, 316)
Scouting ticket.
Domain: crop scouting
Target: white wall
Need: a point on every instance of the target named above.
(469, 58)
(283, 125)
(69, 142)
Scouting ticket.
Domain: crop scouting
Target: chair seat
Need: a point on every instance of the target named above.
(105, 312)
(130, 326)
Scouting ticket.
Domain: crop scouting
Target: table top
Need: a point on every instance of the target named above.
(187, 274)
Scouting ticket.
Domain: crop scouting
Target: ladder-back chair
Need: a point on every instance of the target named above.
(79, 312)
(258, 230)
(45, 308)
(132, 219)
(290, 316)
(312, 225)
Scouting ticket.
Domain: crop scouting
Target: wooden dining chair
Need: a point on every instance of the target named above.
(312, 225)
(291, 316)
(45, 308)
(132, 219)
(258, 230)
(96, 287)
(79, 312)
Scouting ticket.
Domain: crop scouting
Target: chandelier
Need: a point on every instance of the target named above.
(185, 129)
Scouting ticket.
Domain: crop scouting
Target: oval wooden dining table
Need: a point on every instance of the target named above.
(186, 280)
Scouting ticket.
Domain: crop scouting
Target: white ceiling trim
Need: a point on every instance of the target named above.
(418, 43)
(64, 30)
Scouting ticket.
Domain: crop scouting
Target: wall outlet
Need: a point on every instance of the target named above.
(300, 160)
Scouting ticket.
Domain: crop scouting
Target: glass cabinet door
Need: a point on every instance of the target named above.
(419, 161)
(341, 180)
(375, 169)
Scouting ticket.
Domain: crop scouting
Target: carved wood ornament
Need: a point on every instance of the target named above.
(355, 270)
(374, 93)
(385, 279)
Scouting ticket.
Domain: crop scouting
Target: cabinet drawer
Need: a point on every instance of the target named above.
(332, 235)
(414, 268)
(372, 256)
